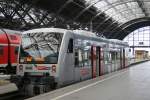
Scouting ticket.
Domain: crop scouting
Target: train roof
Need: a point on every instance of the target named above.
(45, 30)
(119, 42)
(9, 31)
(83, 32)
(78, 32)
(91, 34)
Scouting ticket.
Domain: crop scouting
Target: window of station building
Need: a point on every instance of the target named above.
(139, 37)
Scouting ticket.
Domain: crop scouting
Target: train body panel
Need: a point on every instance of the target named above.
(3, 55)
(9, 46)
(3, 39)
(68, 56)
(3, 50)
(66, 61)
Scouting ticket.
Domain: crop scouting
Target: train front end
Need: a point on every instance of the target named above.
(38, 60)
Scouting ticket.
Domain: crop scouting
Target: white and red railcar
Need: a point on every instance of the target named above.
(53, 57)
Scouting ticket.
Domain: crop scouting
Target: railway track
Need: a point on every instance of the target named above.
(13, 96)
(10, 96)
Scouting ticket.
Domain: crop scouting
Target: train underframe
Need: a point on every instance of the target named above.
(9, 69)
(34, 85)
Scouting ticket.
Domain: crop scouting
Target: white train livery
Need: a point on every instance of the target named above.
(57, 57)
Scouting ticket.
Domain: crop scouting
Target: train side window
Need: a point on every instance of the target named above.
(129, 50)
(1, 50)
(16, 50)
(76, 59)
(70, 46)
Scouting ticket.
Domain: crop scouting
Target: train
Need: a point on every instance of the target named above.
(52, 57)
(9, 49)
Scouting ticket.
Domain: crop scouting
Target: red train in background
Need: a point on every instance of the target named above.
(9, 46)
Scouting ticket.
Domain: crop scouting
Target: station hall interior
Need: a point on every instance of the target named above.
(74, 49)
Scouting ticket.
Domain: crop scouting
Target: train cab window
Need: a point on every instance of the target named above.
(70, 46)
(1, 50)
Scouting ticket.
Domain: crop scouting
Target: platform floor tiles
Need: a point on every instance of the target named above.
(131, 84)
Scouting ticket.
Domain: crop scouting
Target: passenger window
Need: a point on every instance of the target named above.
(16, 50)
(80, 57)
(12, 37)
(1, 50)
(70, 46)
(76, 59)
(129, 50)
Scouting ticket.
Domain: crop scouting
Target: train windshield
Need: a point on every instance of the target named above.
(40, 48)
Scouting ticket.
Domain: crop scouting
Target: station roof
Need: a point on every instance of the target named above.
(109, 18)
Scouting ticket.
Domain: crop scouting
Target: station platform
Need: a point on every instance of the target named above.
(8, 88)
(128, 84)
(5, 77)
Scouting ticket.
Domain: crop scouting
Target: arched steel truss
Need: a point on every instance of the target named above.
(74, 14)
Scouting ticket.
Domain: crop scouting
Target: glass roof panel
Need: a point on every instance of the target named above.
(132, 4)
(2, 15)
(101, 4)
(111, 11)
(119, 7)
(119, 17)
(137, 10)
(122, 10)
(92, 1)
(147, 4)
(147, 7)
(140, 15)
(112, 1)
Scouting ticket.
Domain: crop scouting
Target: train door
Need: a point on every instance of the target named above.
(97, 61)
(124, 58)
(101, 61)
(93, 58)
(121, 59)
